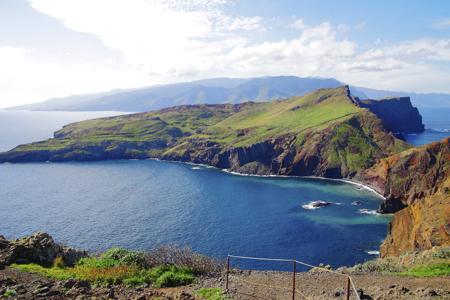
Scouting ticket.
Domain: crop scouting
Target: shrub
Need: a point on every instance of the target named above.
(174, 278)
(210, 294)
(115, 253)
(135, 259)
(443, 253)
(183, 257)
(168, 276)
(377, 265)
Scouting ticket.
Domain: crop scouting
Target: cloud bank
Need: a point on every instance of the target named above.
(169, 41)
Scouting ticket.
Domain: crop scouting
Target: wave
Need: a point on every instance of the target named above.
(373, 252)
(366, 211)
(195, 168)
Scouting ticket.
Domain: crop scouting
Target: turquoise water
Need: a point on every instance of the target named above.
(142, 204)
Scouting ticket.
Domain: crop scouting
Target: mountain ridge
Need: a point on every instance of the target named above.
(214, 91)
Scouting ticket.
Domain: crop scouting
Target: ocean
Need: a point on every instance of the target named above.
(143, 204)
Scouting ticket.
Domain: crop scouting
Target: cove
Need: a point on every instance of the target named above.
(143, 204)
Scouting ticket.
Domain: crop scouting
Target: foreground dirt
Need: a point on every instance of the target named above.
(242, 285)
(278, 285)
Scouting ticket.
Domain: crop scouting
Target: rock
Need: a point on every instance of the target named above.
(19, 288)
(82, 284)
(111, 293)
(68, 284)
(7, 281)
(38, 248)
(320, 203)
(416, 187)
(41, 290)
(338, 293)
(4, 243)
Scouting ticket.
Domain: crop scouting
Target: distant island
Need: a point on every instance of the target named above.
(327, 133)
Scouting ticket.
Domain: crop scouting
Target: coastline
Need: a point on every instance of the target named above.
(349, 181)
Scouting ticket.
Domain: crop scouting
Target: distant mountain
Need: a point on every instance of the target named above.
(214, 91)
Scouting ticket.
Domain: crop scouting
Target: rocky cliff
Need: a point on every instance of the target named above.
(398, 114)
(413, 174)
(416, 184)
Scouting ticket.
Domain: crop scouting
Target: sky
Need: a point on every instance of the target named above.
(54, 48)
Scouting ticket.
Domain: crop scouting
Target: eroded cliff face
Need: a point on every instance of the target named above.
(420, 226)
(413, 174)
(416, 184)
(338, 151)
(398, 114)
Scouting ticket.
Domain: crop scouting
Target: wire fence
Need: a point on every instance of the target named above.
(280, 285)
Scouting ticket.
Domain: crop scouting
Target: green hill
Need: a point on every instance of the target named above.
(324, 133)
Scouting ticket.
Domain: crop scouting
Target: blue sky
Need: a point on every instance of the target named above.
(52, 48)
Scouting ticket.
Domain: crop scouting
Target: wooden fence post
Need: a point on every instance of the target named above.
(294, 264)
(348, 288)
(228, 271)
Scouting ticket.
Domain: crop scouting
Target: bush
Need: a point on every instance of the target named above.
(174, 278)
(183, 257)
(134, 259)
(378, 266)
(443, 253)
(115, 253)
(168, 276)
(210, 294)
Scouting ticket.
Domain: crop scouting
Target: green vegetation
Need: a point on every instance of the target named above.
(324, 119)
(217, 123)
(211, 294)
(9, 293)
(442, 269)
(117, 266)
(428, 263)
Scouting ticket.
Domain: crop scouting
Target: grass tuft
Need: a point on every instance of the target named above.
(429, 270)
(211, 294)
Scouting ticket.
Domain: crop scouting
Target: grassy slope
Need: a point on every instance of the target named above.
(215, 123)
(324, 119)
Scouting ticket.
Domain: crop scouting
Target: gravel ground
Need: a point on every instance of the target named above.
(242, 285)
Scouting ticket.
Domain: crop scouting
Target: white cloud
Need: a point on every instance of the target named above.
(167, 41)
(298, 24)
